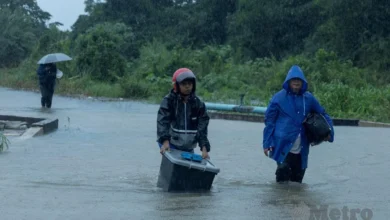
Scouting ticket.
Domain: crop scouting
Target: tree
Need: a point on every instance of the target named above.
(28, 8)
(273, 28)
(16, 37)
(100, 51)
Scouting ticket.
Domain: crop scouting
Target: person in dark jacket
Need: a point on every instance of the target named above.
(284, 137)
(47, 81)
(182, 119)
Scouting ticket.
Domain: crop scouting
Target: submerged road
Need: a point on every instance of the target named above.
(103, 163)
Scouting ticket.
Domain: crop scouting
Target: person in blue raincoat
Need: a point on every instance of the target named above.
(284, 138)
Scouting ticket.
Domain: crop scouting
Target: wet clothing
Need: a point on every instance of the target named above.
(297, 147)
(183, 124)
(47, 91)
(284, 121)
(47, 81)
(290, 169)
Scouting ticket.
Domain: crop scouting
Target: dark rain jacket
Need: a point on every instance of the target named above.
(183, 124)
(47, 76)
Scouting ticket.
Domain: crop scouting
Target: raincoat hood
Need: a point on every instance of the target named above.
(295, 72)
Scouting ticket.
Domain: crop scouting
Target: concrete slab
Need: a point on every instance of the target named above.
(48, 125)
(32, 132)
(33, 126)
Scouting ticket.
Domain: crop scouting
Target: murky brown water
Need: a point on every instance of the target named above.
(103, 163)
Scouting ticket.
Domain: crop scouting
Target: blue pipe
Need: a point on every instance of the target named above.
(235, 108)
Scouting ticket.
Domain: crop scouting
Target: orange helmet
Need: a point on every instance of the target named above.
(180, 75)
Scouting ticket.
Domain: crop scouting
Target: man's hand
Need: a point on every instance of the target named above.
(205, 154)
(327, 138)
(267, 150)
(164, 147)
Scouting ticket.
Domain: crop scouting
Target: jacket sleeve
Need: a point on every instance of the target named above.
(321, 110)
(41, 72)
(163, 121)
(270, 119)
(203, 124)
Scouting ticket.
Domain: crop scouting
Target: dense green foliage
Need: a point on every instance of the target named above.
(130, 49)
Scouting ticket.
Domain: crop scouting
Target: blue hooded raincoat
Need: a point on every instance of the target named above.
(285, 115)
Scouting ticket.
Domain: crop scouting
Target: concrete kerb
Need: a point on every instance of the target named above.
(260, 118)
(35, 126)
(47, 125)
(373, 124)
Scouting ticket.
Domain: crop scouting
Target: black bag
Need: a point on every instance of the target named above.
(317, 128)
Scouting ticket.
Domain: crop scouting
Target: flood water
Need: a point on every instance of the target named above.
(103, 163)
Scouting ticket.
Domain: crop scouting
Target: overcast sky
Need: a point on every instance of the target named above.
(64, 11)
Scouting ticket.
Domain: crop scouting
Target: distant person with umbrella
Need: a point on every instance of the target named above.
(47, 73)
(47, 81)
